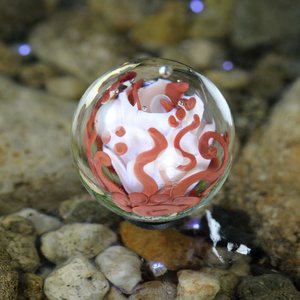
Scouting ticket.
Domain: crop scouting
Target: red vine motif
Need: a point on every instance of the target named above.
(173, 198)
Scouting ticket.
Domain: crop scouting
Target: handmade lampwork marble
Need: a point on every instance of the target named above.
(152, 140)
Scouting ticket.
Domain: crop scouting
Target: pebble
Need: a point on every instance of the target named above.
(267, 287)
(31, 287)
(77, 279)
(121, 267)
(85, 47)
(42, 222)
(154, 290)
(195, 285)
(230, 80)
(168, 247)
(19, 242)
(31, 174)
(203, 53)
(83, 208)
(72, 239)
(165, 27)
(66, 87)
(124, 14)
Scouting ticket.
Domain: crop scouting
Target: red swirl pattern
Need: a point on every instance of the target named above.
(173, 198)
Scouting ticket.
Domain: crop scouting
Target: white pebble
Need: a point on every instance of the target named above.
(120, 266)
(195, 285)
(42, 222)
(77, 279)
(78, 238)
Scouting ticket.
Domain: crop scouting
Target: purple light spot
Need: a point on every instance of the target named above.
(24, 49)
(193, 224)
(196, 6)
(227, 65)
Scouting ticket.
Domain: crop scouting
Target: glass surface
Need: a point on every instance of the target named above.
(153, 140)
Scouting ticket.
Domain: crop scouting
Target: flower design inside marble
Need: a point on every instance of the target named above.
(148, 145)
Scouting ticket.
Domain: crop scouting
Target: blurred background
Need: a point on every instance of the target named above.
(52, 50)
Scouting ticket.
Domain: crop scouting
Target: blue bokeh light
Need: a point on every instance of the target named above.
(227, 65)
(24, 49)
(196, 6)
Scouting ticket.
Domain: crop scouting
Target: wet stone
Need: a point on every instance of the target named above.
(72, 239)
(164, 27)
(121, 267)
(270, 162)
(267, 287)
(114, 294)
(83, 208)
(168, 246)
(19, 242)
(154, 290)
(196, 285)
(31, 174)
(85, 48)
(42, 222)
(77, 279)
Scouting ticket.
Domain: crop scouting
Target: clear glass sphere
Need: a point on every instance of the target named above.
(153, 140)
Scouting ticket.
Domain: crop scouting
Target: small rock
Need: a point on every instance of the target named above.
(195, 285)
(66, 87)
(31, 287)
(17, 224)
(69, 240)
(241, 267)
(235, 79)
(214, 21)
(114, 294)
(228, 281)
(42, 222)
(21, 250)
(267, 287)
(166, 26)
(31, 174)
(77, 279)
(121, 267)
(17, 237)
(124, 14)
(84, 48)
(8, 277)
(36, 74)
(203, 53)
(10, 60)
(83, 208)
(154, 290)
(168, 247)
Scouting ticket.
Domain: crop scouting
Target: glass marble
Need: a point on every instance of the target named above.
(153, 140)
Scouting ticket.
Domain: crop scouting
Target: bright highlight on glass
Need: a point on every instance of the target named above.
(227, 65)
(196, 6)
(24, 49)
